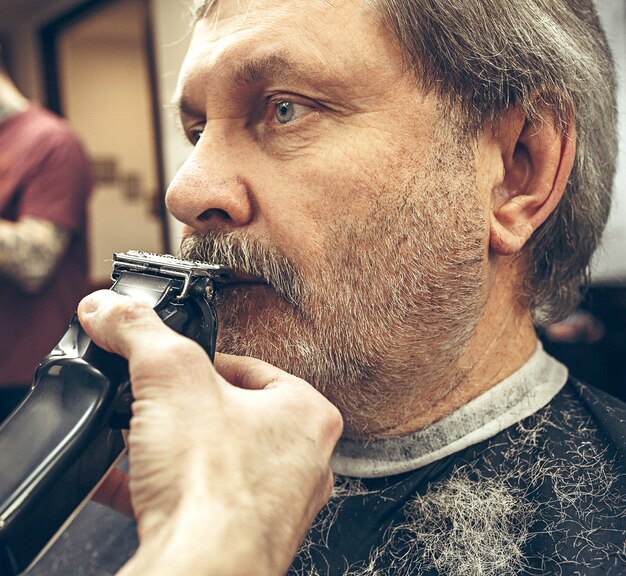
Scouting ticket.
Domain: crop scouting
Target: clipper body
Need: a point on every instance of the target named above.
(58, 445)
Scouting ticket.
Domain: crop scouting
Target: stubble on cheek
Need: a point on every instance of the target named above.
(390, 290)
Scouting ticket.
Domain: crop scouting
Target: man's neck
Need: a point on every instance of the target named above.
(516, 397)
(502, 342)
(495, 352)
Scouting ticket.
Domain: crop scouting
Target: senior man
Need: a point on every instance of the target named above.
(407, 188)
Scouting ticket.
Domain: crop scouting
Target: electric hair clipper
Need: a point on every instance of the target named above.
(61, 441)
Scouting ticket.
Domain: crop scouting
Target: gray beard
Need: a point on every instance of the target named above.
(378, 319)
(474, 525)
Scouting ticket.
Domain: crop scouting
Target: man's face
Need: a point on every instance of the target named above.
(321, 170)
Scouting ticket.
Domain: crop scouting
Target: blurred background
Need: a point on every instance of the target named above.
(109, 66)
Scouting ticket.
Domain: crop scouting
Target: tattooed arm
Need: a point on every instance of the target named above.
(30, 250)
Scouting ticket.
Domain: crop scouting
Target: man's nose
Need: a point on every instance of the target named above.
(210, 190)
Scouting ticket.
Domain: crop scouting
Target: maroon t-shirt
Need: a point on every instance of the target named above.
(44, 173)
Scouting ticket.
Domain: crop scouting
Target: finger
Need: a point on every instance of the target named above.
(158, 357)
(112, 321)
(114, 493)
(296, 395)
(251, 373)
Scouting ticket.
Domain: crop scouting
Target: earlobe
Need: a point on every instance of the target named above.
(537, 159)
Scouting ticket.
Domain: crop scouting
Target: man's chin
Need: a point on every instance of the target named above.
(254, 321)
(241, 303)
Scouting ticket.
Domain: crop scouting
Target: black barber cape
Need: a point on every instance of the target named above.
(546, 496)
(527, 479)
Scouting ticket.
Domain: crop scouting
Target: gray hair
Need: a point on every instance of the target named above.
(551, 58)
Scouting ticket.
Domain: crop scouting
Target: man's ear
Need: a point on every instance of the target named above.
(537, 159)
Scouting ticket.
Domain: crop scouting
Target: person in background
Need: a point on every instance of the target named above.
(45, 183)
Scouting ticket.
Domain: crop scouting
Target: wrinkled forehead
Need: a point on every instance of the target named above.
(206, 9)
(341, 38)
(284, 12)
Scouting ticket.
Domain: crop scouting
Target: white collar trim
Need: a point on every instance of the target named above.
(520, 395)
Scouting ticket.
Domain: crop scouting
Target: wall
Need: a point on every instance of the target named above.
(107, 99)
(116, 91)
(610, 262)
(21, 32)
(172, 20)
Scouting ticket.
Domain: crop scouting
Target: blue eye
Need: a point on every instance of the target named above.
(284, 112)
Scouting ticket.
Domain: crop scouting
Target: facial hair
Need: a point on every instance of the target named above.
(382, 311)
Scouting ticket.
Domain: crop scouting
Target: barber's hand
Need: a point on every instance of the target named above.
(228, 465)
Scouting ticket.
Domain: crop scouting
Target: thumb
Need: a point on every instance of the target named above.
(118, 323)
(251, 373)
(158, 357)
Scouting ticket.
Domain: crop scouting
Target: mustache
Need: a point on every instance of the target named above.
(249, 257)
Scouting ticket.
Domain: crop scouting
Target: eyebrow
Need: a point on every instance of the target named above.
(271, 67)
(254, 70)
(180, 105)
